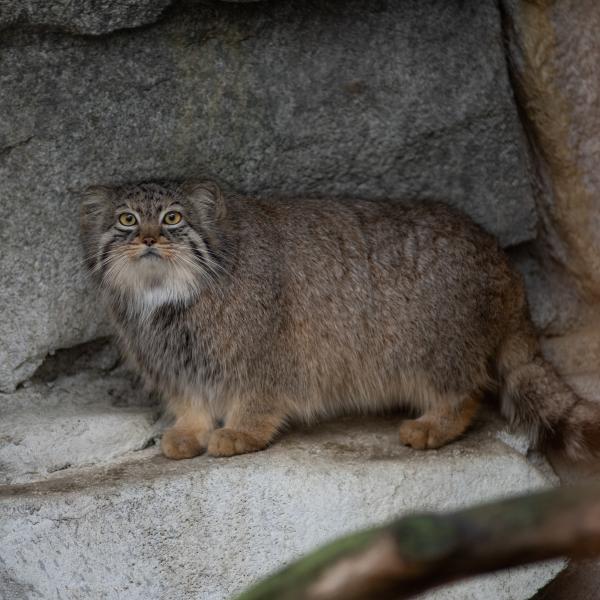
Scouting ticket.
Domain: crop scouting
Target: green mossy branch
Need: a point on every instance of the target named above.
(415, 553)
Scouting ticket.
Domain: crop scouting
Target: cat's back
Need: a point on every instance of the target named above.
(376, 259)
(408, 237)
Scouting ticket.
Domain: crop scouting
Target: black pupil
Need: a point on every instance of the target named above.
(171, 217)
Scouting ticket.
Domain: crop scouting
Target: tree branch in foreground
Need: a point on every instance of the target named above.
(415, 553)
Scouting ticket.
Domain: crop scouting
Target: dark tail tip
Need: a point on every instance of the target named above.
(577, 431)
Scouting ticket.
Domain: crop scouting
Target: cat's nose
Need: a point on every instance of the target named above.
(149, 241)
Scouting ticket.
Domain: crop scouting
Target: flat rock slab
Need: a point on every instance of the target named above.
(146, 527)
(85, 419)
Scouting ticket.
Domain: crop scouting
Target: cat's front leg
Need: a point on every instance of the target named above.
(190, 434)
(249, 426)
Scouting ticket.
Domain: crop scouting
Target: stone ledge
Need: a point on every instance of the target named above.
(77, 420)
(206, 528)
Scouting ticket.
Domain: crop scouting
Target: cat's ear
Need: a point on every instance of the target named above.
(95, 206)
(207, 199)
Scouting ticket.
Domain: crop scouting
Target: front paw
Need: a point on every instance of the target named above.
(229, 442)
(178, 443)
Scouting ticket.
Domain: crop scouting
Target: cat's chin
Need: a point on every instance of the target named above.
(147, 274)
(150, 256)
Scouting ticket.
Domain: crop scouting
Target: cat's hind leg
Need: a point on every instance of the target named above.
(445, 421)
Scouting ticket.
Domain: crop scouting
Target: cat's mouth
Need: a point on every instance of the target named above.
(150, 253)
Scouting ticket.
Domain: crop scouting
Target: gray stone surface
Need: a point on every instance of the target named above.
(375, 99)
(81, 16)
(555, 305)
(75, 420)
(205, 528)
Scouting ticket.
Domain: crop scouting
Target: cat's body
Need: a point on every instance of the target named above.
(298, 310)
(327, 307)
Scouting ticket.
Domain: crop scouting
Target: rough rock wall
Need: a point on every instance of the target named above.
(552, 50)
(554, 57)
(406, 98)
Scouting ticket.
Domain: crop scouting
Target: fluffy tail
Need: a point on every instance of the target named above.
(534, 397)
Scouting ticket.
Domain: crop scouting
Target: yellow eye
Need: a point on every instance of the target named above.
(172, 218)
(127, 219)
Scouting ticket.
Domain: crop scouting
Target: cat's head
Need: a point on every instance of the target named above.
(151, 244)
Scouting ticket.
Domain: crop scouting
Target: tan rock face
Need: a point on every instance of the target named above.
(557, 76)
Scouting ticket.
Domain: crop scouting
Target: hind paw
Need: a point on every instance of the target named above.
(421, 434)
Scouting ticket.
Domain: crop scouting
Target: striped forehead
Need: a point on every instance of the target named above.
(149, 200)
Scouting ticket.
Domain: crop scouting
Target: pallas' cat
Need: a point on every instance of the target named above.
(249, 314)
